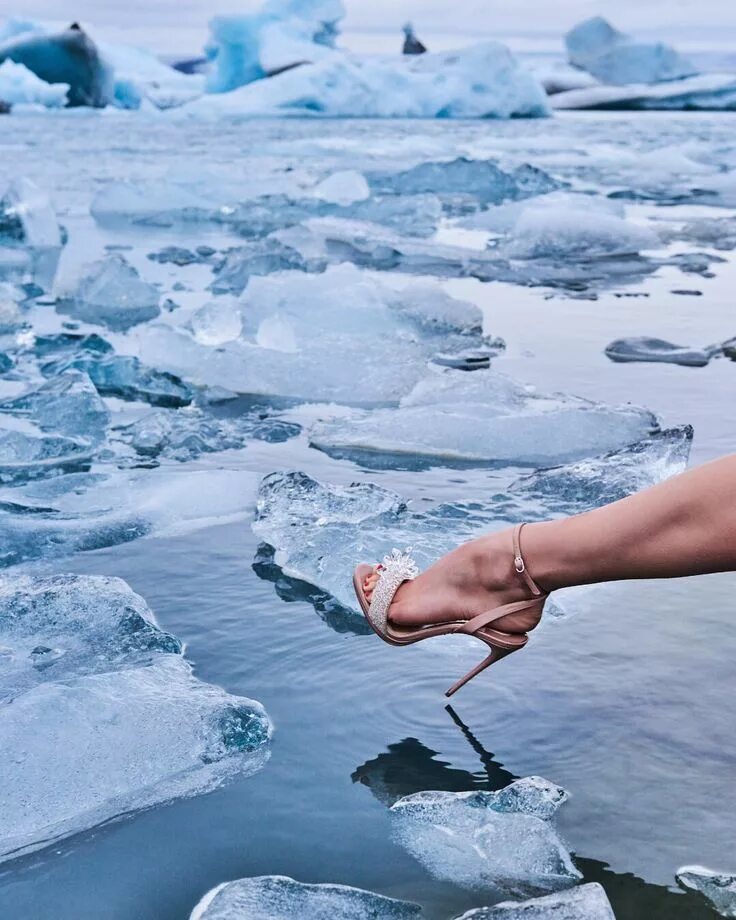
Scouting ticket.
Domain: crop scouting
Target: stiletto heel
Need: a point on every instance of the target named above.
(497, 653)
(400, 567)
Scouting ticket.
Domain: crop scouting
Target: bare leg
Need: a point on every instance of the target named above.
(684, 526)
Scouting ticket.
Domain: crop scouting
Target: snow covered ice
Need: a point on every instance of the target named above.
(484, 417)
(116, 712)
(584, 902)
(614, 57)
(276, 897)
(319, 530)
(111, 293)
(719, 888)
(20, 86)
(480, 840)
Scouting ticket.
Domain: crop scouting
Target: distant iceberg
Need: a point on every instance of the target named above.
(704, 92)
(615, 57)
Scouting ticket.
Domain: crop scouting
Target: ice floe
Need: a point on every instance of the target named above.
(719, 888)
(116, 711)
(320, 531)
(276, 897)
(486, 840)
(645, 348)
(584, 902)
(484, 417)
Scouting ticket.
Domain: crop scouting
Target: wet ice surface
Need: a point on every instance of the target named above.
(155, 479)
(503, 841)
(719, 888)
(278, 898)
(101, 716)
(587, 902)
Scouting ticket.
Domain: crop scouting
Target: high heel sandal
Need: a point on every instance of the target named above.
(400, 567)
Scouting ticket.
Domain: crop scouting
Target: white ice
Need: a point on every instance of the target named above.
(20, 86)
(719, 888)
(584, 902)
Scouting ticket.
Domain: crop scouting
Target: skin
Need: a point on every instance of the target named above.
(683, 526)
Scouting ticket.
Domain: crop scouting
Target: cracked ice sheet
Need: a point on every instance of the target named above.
(110, 707)
(88, 511)
(480, 840)
(321, 532)
(276, 897)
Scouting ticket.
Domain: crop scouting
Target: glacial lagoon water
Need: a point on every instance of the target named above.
(627, 705)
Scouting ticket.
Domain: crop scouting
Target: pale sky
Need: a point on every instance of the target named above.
(181, 25)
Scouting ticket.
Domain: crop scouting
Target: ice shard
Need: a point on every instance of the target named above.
(475, 840)
(719, 888)
(276, 897)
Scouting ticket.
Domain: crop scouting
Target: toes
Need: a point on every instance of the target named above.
(369, 584)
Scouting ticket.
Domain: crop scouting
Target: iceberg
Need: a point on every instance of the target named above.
(20, 86)
(112, 293)
(719, 888)
(69, 57)
(614, 57)
(483, 417)
(645, 348)
(85, 511)
(584, 902)
(310, 337)
(282, 35)
(276, 897)
(486, 840)
(482, 81)
(319, 531)
(116, 712)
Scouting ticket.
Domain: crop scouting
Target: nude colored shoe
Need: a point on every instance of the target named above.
(400, 567)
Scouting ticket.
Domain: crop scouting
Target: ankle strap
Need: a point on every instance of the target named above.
(519, 563)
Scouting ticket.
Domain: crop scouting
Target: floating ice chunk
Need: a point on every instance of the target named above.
(260, 257)
(717, 887)
(27, 217)
(91, 623)
(26, 453)
(80, 512)
(112, 293)
(485, 417)
(127, 378)
(585, 902)
(464, 838)
(614, 57)
(483, 180)
(574, 232)
(217, 322)
(67, 404)
(276, 897)
(20, 86)
(140, 76)
(644, 348)
(69, 57)
(187, 433)
(343, 188)
(122, 740)
(482, 81)
(321, 531)
(706, 92)
(311, 336)
(502, 218)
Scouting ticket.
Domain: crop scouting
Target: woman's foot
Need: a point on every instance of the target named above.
(476, 577)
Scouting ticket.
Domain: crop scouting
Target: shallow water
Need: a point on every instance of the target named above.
(627, 706)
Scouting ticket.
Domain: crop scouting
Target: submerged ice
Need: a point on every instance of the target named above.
(276, 897)
(502, 840)
(116, 712)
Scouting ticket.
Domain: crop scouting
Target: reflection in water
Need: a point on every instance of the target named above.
(409, 766)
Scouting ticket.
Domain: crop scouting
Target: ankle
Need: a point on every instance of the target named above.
(496, 567)
(547, 560)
